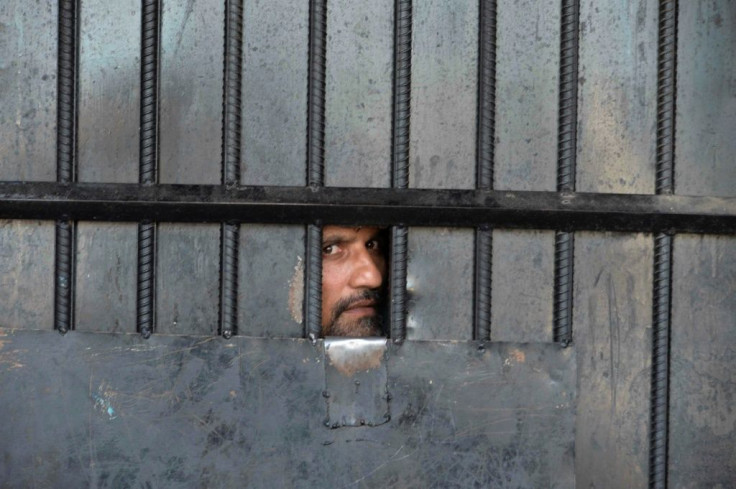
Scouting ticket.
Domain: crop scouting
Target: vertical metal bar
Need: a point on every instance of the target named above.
(231, 141)
(567, 152)
(315, 161)
(66, 160)
(662, 297)
(150, 34)
(485, 159)
(400, 162)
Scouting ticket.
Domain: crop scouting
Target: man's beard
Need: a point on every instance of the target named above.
(366, 326)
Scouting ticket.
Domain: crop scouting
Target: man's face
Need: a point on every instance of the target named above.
(353, 271)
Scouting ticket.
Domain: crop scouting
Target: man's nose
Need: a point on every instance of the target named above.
(366, 272)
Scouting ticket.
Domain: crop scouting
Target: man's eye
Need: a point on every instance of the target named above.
(329, 249)
(373, 244)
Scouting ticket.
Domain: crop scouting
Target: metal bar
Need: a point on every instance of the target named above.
(315, 162)
(378, 206)
(662, 297)
(567, 149)
(313, 276)
(231, 142)
(485, 157)
(401, 121)
(150, 34)
(66, 161)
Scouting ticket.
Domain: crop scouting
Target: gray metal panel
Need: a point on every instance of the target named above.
(706, 99)
(617, 96)
(27, 274)
(271, 276)
(28, 49)
(440, 284)
(275, 37)
(703, 386)
(191, 92)
(355, 382)
(109, 91)
(443, 94)
(523, 278)
(526, 95)
(188, 278)
(100, 410)
(359, 93)
(106, 277)
(612, 318)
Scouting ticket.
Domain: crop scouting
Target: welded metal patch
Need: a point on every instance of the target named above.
(355, 382)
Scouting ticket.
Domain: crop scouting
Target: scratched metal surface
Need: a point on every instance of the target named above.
(703, 388)
(103, 410)
(27, 91)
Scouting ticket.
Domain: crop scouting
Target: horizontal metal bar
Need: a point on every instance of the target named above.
(384, 206)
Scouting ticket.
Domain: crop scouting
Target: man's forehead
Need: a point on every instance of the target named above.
(350, 231)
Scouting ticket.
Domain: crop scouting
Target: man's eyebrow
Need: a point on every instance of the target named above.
(337, 237)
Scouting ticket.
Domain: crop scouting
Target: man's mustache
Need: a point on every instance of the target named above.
(346, 302)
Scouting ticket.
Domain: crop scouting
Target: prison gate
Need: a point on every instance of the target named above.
(558, 183)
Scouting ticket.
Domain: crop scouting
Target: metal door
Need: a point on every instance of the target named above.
(558, 181)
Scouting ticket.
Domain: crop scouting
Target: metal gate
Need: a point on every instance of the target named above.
(559, 185)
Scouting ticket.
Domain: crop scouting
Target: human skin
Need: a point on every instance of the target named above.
(353, 274)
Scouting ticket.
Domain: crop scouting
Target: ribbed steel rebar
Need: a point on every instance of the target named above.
(149, 92)
(659, 425)
(146, 283)
(400, 162)
(66, 147)
(485, 158)
(232, 92)
(229, 279)
(63, 287)
(148, 169)
(231, 141)
(566, 154)
(483, 282)
(486, 93)
(315, 161)
(663, 243)
(66, 156)
(316, 92)
(313, 274)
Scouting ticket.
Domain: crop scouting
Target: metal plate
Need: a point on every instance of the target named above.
(106, 410)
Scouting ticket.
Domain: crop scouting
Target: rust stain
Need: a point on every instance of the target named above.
(296, 292)
(515, 356)
(352, 356)
(518, 355)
